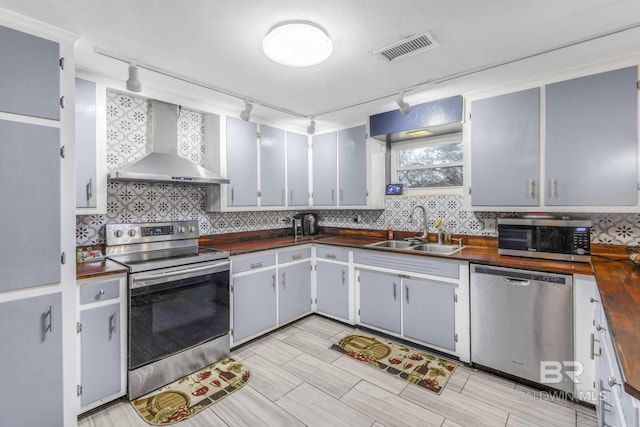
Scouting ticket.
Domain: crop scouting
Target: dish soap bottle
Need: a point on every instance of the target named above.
(389, 232)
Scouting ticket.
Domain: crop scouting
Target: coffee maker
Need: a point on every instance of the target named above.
(305, 224)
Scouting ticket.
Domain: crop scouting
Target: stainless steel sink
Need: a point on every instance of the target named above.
(392, 244)
(437, 248)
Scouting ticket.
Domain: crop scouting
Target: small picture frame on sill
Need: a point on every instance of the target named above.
(394, 189)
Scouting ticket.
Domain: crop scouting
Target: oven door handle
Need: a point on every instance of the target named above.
(157, 278)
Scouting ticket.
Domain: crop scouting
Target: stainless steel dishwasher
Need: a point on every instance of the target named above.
(520, 318)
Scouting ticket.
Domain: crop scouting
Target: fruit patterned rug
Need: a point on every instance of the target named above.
(417, 367)
(191, 394)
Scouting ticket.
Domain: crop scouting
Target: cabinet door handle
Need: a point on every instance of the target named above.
(333, 195)
(593, 348)
(406, 290)
(554, 188)
(112, 324)
(343, 277)
(284, 281)
(291, 197)
(232, 195)
(394, 290)
(47, 320)
(90, 189)
(256, 265)
(341, 196)
(330, 256)
(284, 197)
(295, 257)
(532, 188)
(273, 278)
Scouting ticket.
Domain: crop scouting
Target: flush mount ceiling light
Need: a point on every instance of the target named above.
(133, 83)
(297, 44)
(246, 113)
(404, 107)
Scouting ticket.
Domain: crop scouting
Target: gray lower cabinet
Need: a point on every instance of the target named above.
(30, 168)
(31, 368)
(332, 289)
(102, 333)
(30, 80)
(591, 131)
(254, 303)
(101, 353)
(242, 162)
(429, 312)
(272, 166)
(380, 300)
(295, 291)
(505, 133)
(352, 166)
(297, 169)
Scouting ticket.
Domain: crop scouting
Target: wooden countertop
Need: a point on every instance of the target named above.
(86, 270)
(618, 279)
(619, 285)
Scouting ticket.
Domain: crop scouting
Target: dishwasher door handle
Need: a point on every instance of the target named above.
(517, 282)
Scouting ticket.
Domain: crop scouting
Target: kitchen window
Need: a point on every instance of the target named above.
(431, 164)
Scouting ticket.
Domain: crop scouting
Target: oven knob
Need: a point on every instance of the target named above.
(117, 233)
(580, 251)
(132, 233)
(192, 229)
(181, 230)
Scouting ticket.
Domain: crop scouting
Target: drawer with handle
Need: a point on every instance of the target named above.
(253, 262)
(332, 253)
(99, 291)
(291, 255)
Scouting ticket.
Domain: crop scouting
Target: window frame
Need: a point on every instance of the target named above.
(456, 138)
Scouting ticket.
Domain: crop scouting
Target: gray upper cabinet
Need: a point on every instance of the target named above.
(325, 169)
(272, 166)
(30, 167)
(242, 162)
(504, 150)
(31, 368)
(591, 140)
(297, 169)
(30, 82)
(352, 164)
(86, 144)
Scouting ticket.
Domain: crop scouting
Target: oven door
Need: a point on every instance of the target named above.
(171, 310)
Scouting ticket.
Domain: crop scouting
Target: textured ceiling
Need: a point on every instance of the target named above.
(219, 42)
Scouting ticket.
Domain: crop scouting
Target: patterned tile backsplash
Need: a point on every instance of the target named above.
(128, 139)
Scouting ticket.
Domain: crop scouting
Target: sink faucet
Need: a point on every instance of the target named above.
(424, 220)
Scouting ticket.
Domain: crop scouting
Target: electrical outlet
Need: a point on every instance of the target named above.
(489, 225)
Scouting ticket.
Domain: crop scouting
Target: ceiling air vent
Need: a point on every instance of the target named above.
(407, 47)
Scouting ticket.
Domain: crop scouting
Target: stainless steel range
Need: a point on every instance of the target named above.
(178, 301)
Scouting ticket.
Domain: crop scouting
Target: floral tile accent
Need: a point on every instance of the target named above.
(128, 122)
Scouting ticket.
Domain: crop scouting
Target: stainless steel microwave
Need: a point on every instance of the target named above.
(558, 239)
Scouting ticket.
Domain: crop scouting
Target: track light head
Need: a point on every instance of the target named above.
(246, 113)
(311, 129)
(133, 83)
(404, 107)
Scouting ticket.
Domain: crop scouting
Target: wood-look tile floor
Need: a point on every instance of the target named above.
(296, 380)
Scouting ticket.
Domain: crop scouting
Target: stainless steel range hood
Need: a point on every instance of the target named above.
(164, 164)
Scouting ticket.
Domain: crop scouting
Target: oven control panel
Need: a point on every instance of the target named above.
(120, 234)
